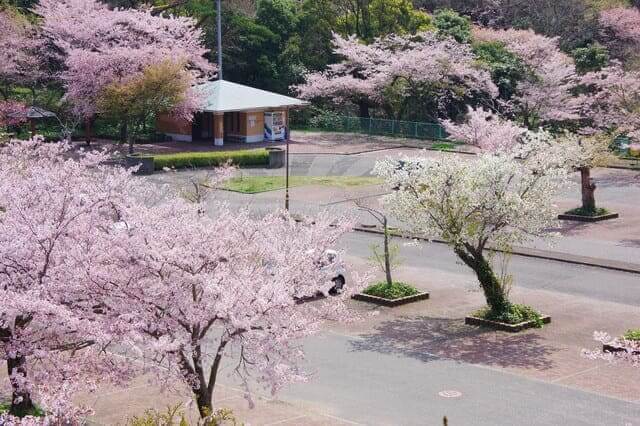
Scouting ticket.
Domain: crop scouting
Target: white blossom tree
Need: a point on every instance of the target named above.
(497, 200)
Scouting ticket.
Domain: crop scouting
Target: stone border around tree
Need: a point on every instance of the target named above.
(503, 326)
(390, 303)
(579, 218)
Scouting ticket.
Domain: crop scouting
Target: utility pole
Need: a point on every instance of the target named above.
(219, 18)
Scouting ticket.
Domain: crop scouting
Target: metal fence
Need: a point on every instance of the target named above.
(376, 126)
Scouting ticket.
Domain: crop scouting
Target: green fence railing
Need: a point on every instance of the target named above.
(375, 126)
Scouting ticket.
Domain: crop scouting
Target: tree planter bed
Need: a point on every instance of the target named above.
(390, 302)
(580, 218)
(503, 326)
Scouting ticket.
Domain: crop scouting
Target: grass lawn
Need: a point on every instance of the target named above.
(255, 184)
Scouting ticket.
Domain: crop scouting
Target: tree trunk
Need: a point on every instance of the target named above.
(364, 109)
(21, 402)
(87, 131)
(203, 398)
(123, 133)
(129, 138)
(588, 190)
(387, 255)
(365, 117)
(494, 293)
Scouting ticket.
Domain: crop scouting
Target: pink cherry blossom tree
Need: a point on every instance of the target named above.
(93, 264)
(203, 286)
(104, 46)
(485, 130)
(546, 95)
(356, 79)
(52, 211)
(407, 65)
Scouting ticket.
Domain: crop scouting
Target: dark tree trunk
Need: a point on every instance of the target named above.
(365, 117)
(202, 390)
(129, 136)
(21, 402)
(588, 190)
(205, 406)
(493, 290)
(364, 109)
(387, 255)
(123, 132)
(87, 131)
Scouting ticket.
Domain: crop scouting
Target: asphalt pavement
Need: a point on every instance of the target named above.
(376, 378)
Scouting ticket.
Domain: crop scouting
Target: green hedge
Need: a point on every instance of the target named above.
(255, 157)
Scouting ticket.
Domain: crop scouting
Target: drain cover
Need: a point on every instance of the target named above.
(450, 394)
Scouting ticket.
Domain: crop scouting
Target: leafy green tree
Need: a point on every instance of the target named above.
(317, 19)
(369, 19)
(506, 68)
(590, 58)
(450, 23)
(277, 15)
(250, 52)
(397, 17)
(161, 89)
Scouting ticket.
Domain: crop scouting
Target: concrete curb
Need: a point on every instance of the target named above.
(502, 326)
(595, 262)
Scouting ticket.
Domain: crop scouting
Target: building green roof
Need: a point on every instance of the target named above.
(225, 96)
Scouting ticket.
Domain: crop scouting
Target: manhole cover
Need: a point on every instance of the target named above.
(450, 394)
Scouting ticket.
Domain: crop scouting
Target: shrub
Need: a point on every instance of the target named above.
(580, 211)
(36, 412)
(326, 120)
(514, 314)
(175, 416)
(255, 157)
(632, 334)
(454, 25)
(397, 290)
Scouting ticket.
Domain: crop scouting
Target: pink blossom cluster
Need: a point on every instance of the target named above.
(614, 101)
(619, 349)
(104, 46)
(22, 52)
(12, 113)
(621, 24)
(485, 130)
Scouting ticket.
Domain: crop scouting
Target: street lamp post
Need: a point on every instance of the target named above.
(219, 37)
(286, 178)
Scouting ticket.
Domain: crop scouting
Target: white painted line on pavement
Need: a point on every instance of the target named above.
(340, 419)
(279, 422)
(568, 376)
